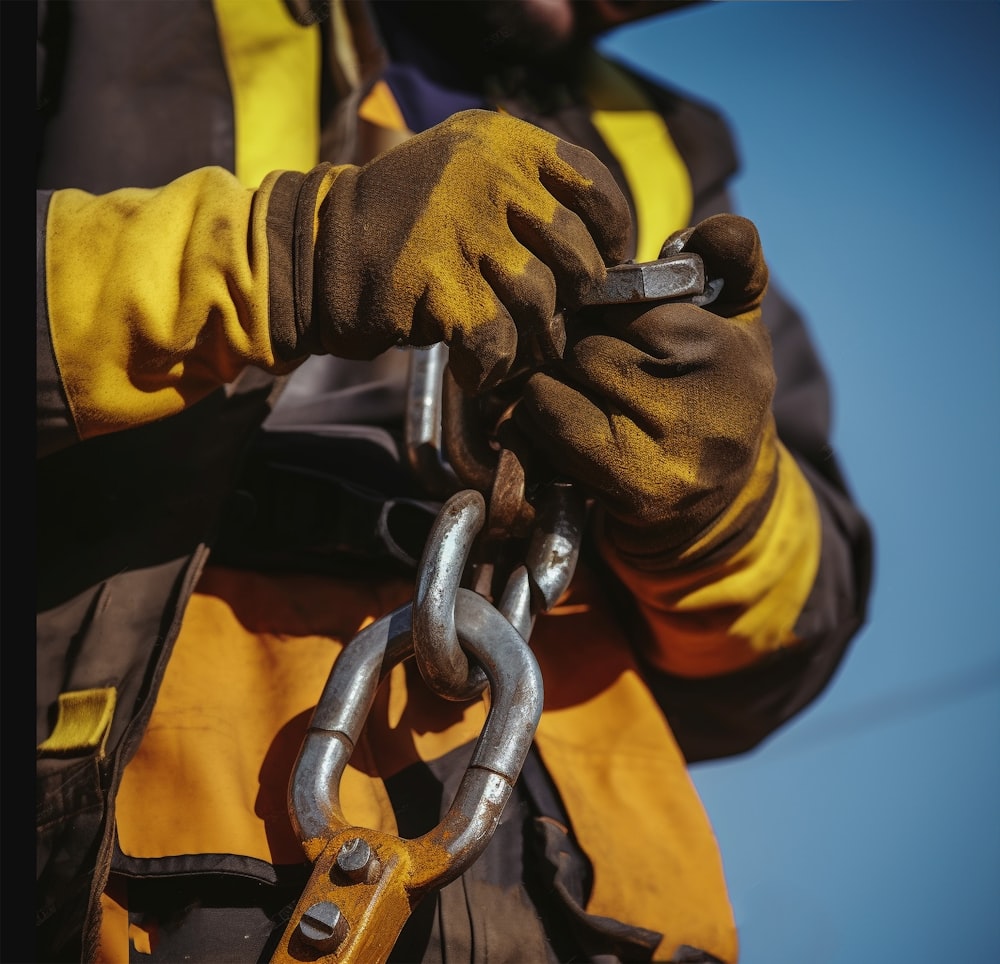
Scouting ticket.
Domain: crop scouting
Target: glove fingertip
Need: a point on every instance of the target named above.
(600, 202)
(730, 238)
(731, 248)
(481, 357)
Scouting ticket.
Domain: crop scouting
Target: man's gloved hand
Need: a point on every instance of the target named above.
(663, 412)
(465, 233)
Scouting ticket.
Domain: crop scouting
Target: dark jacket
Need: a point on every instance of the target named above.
(127, 519)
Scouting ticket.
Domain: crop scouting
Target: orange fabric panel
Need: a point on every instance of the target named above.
(380, 108)
(248, 668)
(250, 664)
(631, 803)
(120, 941)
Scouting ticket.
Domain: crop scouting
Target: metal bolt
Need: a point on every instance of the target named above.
(357, 861)
(323, 926)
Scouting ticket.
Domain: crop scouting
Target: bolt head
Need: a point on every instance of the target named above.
(357, 861)
(323, 926)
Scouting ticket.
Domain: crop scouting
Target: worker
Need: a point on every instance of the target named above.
(231, 269)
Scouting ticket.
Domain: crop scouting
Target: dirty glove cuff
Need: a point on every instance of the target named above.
(292, 222)
(736, 591)
(653, 548)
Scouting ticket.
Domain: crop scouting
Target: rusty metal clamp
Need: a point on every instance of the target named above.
(365, 883)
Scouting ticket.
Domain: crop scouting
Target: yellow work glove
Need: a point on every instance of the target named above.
(466, 233)
(663, 412)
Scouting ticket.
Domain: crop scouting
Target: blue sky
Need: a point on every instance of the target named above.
(868, 830)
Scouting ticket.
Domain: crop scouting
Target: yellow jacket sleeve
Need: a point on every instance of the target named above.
(155, 297)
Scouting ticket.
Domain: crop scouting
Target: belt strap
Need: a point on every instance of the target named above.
(288, 513)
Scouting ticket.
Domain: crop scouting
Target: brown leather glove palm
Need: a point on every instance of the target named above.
(463, 234)
(663, 413)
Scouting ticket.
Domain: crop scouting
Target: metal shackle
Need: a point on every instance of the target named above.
(516, 695)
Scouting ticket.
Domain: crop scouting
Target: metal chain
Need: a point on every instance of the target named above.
(364, 883)
(552, 528)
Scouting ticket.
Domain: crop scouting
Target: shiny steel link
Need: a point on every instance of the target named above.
(515, 705)
(531, 588)
(439, 656)
(550, 559)
(422, 426)
(516, 602)
(554, 548)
